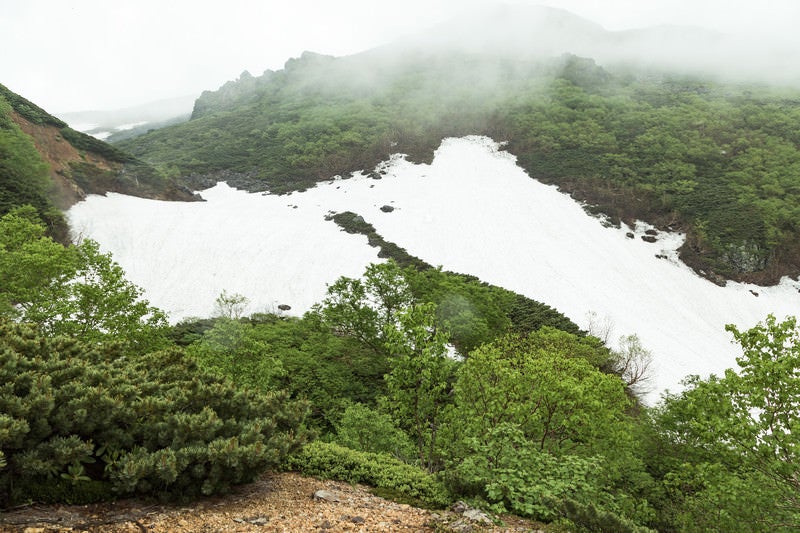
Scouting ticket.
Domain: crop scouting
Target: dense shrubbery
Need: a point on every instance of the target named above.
(109, 414)
(74, 415)
(331, 461)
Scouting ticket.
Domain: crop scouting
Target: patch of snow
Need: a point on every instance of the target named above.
(472, 210)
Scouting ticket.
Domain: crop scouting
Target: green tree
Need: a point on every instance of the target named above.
(235, 349)
(75, 290)
(230, 306)
(420, 378)
(545, 385)
(745, 425)
(535, 423)
(364, 308)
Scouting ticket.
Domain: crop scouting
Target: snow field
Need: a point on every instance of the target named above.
(473, 210)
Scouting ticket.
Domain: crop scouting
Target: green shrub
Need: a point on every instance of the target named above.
(588, 517)
(151, 424)
(331, 461)
(368, 430)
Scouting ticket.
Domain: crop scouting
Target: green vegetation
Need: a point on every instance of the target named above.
(428, 385)
(732, 441)
(75, 418)
(95, 404)
(331, 461)
(24, 175)
(720, 161)
(75, 291)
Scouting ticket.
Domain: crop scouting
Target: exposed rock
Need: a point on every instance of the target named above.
(630, 235)
(284, 307)
(477, 516)
(387, 209)
(326, 495)
(651, 232)
(649, 238)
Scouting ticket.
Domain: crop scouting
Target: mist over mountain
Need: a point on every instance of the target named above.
(524, 31)
(655, 124)
(118, 124)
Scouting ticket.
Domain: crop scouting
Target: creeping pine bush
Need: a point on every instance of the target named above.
(331, 461)
(77, 423)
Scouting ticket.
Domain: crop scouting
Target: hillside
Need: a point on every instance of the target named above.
(45, 163)
(637, 140)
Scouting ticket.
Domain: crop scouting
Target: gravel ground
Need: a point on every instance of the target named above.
(276, 503)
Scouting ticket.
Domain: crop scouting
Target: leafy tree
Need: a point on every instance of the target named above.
(232, 348)
(419, 380)
(230, 306)
(545, 385)
(535, 423)
(744, 428)
(364, 308)
(74, 290)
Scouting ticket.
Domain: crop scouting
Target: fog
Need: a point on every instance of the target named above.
(94, 54)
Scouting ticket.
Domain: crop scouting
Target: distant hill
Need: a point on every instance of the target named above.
(622, 120)
(45, 163)
(118, 124)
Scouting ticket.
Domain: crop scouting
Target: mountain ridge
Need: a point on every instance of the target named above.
(52, 166)
(632, 139)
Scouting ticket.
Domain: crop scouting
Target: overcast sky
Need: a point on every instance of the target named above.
(74, 55)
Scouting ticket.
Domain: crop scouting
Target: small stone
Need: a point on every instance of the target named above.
(260, 521)
(357, 520)
(476, 515)
(387, 209)
(459, 507)
(326, 495)
(239, 520)
(630, 235)
(649, 238)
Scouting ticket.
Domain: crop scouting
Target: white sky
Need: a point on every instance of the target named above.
(74, 55)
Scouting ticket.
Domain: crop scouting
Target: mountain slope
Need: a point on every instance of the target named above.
(473, 210)
(719, 161)
(45, 163)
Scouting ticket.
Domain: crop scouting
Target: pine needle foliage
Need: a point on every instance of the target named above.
(75, 415)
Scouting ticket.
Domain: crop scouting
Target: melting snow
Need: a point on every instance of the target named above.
(473, 210)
